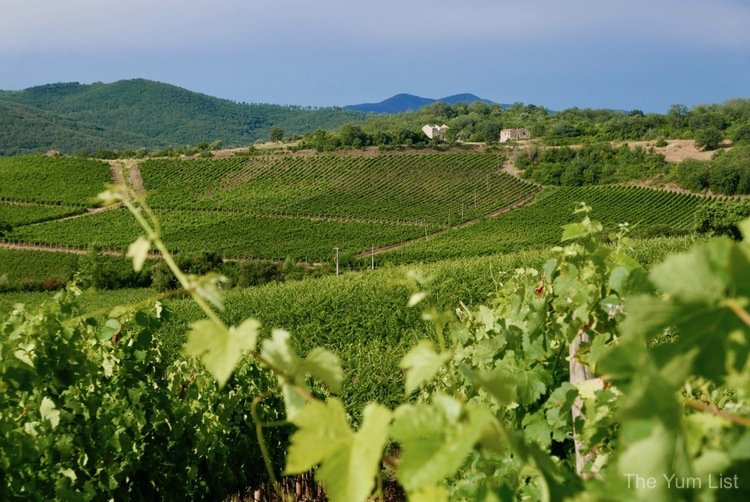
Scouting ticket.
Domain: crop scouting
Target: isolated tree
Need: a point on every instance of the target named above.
(276, 134)
(677, 116)
(352, 135)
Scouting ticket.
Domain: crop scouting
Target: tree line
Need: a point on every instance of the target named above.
(708, 125)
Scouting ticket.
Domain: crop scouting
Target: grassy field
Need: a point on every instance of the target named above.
(29, 269)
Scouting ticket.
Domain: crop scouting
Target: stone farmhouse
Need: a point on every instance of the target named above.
(514, 134)
(434, 131)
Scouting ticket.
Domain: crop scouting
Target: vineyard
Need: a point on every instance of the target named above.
(22, 269)
(279, 206)
(464, 373)
(380, 329)
(500, 347)
(16, 214)
(435, 188)
(230, 234)
(52, 180)
(272, 207)
(538, 224)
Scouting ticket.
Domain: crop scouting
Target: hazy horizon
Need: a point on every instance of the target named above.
(558, 55)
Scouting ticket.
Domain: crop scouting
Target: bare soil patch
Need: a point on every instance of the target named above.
(676, 150)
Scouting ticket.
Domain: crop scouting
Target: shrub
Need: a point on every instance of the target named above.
(200, 263)
(254, 273)
(721, 218)
(709, 138)
(692, 174)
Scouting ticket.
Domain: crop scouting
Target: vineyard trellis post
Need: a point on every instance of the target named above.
(337, 260)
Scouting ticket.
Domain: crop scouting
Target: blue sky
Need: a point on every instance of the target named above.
(626, 54)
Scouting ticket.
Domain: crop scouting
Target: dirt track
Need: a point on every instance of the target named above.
(55, 249)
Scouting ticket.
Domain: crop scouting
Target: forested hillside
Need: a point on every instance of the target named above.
(25, 129)
(143, 113)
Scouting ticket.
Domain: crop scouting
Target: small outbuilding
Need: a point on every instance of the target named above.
(514, 134)
(434, 131)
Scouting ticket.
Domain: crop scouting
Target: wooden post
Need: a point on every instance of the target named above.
(579, 373)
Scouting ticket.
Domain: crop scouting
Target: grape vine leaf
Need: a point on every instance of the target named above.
(208, 287)
(277, 351)
(415, 298)
(320, 363)
(537, 430)
(432, 493)
(111, 327)
(325, 366)
(49, 412)
(499, 383)
(741, 449)
(744, 227)
(654, 451)
(574, 231)
(421, 364)
(435, 441)
(321, 429)
(138, 251)
(349, 461)
(219, 348)
(719, 270)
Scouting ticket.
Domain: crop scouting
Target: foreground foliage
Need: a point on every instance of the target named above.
(92, 409)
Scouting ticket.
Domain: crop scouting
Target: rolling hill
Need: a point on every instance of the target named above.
(129, 113)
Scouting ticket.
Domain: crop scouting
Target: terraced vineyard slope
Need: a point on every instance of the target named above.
(538, 224)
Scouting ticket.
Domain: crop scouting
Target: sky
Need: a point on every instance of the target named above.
(623, 54)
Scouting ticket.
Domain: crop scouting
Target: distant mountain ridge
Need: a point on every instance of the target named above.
(139, 112)
(401, 103)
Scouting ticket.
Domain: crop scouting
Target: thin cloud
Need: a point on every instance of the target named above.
(85, 25)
